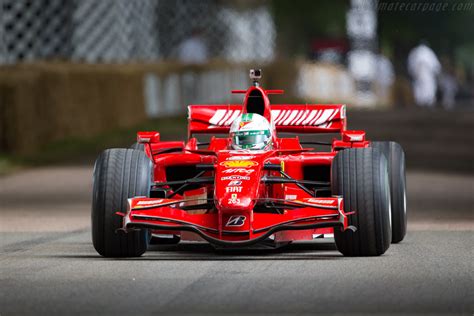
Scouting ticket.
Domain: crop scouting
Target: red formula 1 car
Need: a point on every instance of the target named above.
(243, 197)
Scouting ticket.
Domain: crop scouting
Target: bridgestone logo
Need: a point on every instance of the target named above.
(236, 221)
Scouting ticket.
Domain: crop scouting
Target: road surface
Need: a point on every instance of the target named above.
(48, 264)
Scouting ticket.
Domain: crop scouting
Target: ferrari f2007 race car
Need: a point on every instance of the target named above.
(251, 186)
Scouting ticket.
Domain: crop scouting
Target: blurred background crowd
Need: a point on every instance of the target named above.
(82, 67)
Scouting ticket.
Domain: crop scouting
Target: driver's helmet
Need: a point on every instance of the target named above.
(251, 131)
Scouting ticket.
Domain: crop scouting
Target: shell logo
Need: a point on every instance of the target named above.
(239, 163)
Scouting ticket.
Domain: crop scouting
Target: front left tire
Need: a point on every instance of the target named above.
(360, 176)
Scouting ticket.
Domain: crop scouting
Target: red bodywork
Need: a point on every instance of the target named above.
(239, 198)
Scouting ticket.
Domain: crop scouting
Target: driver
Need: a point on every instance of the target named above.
(251, 131)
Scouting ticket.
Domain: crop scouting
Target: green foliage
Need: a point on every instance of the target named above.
(298, 22)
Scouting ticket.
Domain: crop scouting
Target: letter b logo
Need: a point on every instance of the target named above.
(236, 221)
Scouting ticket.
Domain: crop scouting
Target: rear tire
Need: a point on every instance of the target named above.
(360, 176)
(395, 156)
(138, 146)
(119, 174)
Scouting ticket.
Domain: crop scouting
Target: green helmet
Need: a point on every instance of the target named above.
(251, 131)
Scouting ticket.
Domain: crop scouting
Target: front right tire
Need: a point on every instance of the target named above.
(360, 176)
(119, 174)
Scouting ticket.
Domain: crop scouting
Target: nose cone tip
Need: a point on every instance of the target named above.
(235, 203)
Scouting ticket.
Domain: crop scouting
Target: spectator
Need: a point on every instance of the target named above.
(424, 66)
(449, 87)
(193, 50)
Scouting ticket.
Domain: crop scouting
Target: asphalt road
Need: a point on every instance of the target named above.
(48, 264)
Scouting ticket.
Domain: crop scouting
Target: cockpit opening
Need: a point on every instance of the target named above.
(255, 103)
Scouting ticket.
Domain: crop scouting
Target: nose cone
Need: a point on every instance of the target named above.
(233, 202)
(237, 182)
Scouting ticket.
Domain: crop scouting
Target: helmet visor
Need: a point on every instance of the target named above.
(251, 139)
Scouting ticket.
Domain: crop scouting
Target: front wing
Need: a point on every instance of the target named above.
(234, 228)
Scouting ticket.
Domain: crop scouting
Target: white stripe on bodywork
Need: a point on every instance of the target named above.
(232, 118)
(280, 115)
(275, 114)
(280, 118)
(310, 122)
(300, 114)
(324, 117)
(226, 117)
(320, 119)
(291, 117)
(332, 116)
(283, 117)
(303, 116)
(215, 119)
(310, 117)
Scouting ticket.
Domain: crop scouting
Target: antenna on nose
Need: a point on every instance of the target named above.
(255, 74)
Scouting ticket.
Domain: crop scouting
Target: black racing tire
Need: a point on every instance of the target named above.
(138, 146)
(360, 176)
(395, 156)
(118, 175)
